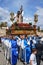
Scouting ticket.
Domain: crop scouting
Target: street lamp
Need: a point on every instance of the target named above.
(12, 16)
(35, 18)
(35, 21)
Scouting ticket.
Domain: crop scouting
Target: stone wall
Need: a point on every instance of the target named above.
(2, 32)
(40, 33)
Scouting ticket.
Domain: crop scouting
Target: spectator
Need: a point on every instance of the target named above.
(33, 57)
(39, 47)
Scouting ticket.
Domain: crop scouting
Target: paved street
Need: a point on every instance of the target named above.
(2, 58)
(3, 61)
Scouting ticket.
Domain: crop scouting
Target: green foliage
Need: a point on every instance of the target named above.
(3, 24)
(41, 30)
(38, 28)
(30, 23)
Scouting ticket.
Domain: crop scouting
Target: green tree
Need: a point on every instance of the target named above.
(38, 28)
(30, 23)
(3, 24)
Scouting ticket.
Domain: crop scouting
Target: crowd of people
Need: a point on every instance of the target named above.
(33, 42)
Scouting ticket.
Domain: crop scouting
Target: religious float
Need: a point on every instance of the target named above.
(19, 27)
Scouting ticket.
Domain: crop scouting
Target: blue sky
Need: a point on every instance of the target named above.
(30, 7)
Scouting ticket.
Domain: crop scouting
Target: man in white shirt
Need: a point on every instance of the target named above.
(33, 57)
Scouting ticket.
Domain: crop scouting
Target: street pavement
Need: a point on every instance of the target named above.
(4, 62)
(2, 58)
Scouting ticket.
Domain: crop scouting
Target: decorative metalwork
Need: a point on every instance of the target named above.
(12, 16)
(35, 18)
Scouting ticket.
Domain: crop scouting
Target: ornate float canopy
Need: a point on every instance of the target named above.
(19, 27)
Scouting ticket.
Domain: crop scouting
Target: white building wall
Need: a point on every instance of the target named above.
(2, 32)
